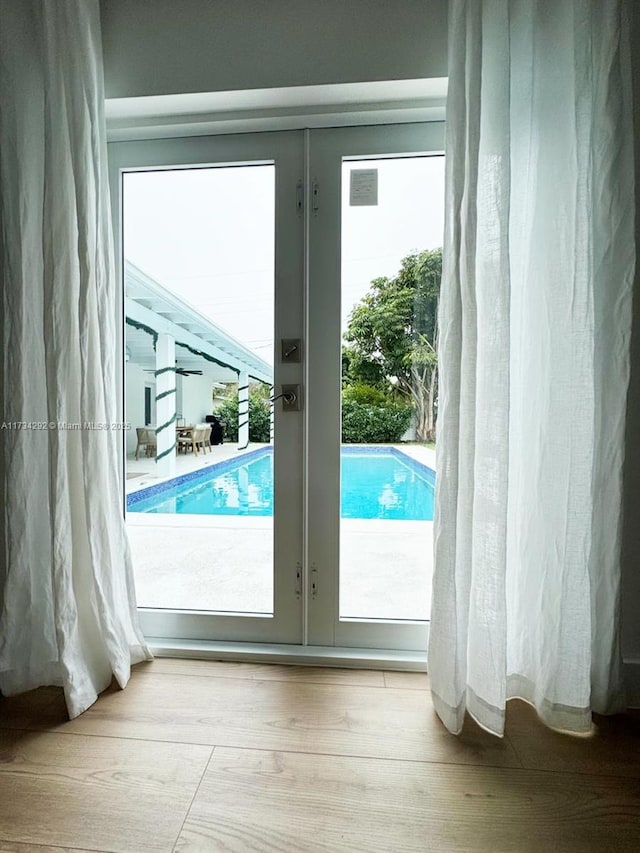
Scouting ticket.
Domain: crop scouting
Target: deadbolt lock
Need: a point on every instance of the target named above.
(291, 350)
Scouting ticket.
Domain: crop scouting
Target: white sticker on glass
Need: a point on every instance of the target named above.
(363, 187)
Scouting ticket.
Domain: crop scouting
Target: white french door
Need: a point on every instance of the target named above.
(232, 201)
(371, 576)
(325, 590)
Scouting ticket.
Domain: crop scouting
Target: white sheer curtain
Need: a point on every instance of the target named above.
(67, 608)
(535, 325)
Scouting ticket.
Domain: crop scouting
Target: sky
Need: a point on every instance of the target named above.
(207, 234)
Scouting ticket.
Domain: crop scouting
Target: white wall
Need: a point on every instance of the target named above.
(159, 47)
(197, 398)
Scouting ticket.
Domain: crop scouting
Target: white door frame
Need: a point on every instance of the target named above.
(286, 151)
(306, 627)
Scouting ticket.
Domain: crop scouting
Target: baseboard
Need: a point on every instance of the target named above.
(632, 682)
(407, 661)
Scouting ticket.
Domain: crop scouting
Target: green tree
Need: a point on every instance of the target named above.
(392, 338)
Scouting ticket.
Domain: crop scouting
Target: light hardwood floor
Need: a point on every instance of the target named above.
(205, 756)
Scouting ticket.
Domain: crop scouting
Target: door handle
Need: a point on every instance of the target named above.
(290, 396)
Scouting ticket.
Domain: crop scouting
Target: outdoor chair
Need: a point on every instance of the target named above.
(185, 441)
(152, 442)
(193, 439)
(198, 438)
(145, 438)
(205, 433)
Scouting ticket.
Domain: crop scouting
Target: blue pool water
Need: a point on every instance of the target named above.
(376, 483)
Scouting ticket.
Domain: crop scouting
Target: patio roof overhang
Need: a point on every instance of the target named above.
(150, 310)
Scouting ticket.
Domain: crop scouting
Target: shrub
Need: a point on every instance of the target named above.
(363, 423)
(227, 412)
(259, 418)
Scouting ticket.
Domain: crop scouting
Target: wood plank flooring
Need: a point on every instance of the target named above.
(209, 756)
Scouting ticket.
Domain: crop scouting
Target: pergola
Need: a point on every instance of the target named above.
(163, 332)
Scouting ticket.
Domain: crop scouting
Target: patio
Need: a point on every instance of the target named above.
(223, 563)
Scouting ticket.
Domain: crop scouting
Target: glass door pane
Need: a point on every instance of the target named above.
(391, 237)
(199, 267)
(212, 254)
(375, 258)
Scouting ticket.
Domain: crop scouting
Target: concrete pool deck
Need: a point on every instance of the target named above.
(223, 563)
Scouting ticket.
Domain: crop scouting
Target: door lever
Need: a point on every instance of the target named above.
(290, 396)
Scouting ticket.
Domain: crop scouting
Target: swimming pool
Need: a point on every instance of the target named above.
(377, 482)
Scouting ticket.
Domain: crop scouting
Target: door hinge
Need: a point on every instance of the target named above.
(300, 197)
(314, 582)
(298, 580)
(315, 196)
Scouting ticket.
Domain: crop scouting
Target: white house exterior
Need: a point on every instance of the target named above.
(164, 334)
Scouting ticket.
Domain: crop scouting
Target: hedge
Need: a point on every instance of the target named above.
(362, 423)
(369, 424)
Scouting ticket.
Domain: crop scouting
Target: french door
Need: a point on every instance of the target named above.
(334, 205)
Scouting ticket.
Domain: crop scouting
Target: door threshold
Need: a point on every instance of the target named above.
(351, 658)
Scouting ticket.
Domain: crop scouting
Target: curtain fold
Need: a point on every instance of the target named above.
(67, 604)
(535, 319)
